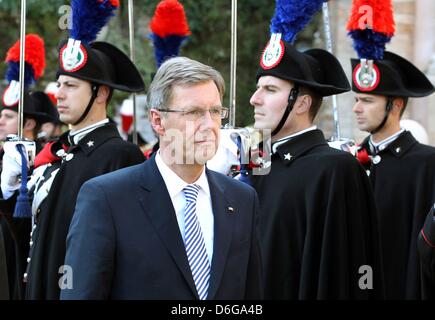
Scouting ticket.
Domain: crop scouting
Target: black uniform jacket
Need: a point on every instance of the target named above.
(318, 225)
(101, 151)
(404, 185)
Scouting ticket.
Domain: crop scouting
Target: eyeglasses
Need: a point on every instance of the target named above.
(198, 113)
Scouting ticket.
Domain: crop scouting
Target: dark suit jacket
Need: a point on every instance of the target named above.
(124, 241)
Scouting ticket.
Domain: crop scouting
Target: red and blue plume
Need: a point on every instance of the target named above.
(34, 60)
(169, 29)
(291, 16)
(89, 17)
(371, 26)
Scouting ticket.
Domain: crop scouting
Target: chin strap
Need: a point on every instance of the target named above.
(290, 103)
(95, 88)
(388, 108)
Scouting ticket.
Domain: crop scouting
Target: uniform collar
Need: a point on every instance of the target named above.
(402, 144)
(379, 146)
(281, 141)
(95, 138)
(76, 136)
(398, 147)
(300, 144)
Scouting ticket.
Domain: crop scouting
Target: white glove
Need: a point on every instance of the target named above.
(9, 176)
(226, 154)
(11, 170)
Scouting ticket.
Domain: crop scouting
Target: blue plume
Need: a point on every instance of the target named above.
(166, 47)
(291, 16)
(89, 17)
(13, 73)
(369, 44)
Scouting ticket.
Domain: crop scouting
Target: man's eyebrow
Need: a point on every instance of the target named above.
(269, 86)
(67, 82)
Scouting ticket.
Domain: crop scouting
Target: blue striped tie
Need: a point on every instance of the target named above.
(194, 242)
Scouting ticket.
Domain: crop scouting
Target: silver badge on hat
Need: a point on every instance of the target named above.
(366, 75)
(73, 56)
(273, 52)
(11, 96)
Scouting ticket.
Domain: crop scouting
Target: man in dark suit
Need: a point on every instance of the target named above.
(169, 228)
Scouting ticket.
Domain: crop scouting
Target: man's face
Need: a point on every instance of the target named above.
(269, 101)
(72, 97)
(369, 110)
(8, 123)
(193, 133)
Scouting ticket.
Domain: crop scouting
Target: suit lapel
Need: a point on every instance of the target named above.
(222, 233)
(157, 204)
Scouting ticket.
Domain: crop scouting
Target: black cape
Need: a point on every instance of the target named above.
(318, 223)
(426, 248)
(101, 151)
(404, 186)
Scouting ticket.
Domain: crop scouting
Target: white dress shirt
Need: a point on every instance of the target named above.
(204, 210)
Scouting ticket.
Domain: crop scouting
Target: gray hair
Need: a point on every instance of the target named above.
(180, 71)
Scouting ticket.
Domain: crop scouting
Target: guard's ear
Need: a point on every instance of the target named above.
(303, 103)
(103, 94)
(29, 124)
(398, 105)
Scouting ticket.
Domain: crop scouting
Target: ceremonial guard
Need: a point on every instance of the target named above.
(37, 110)
(401, 170)
(318, 229)
(88, 73)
